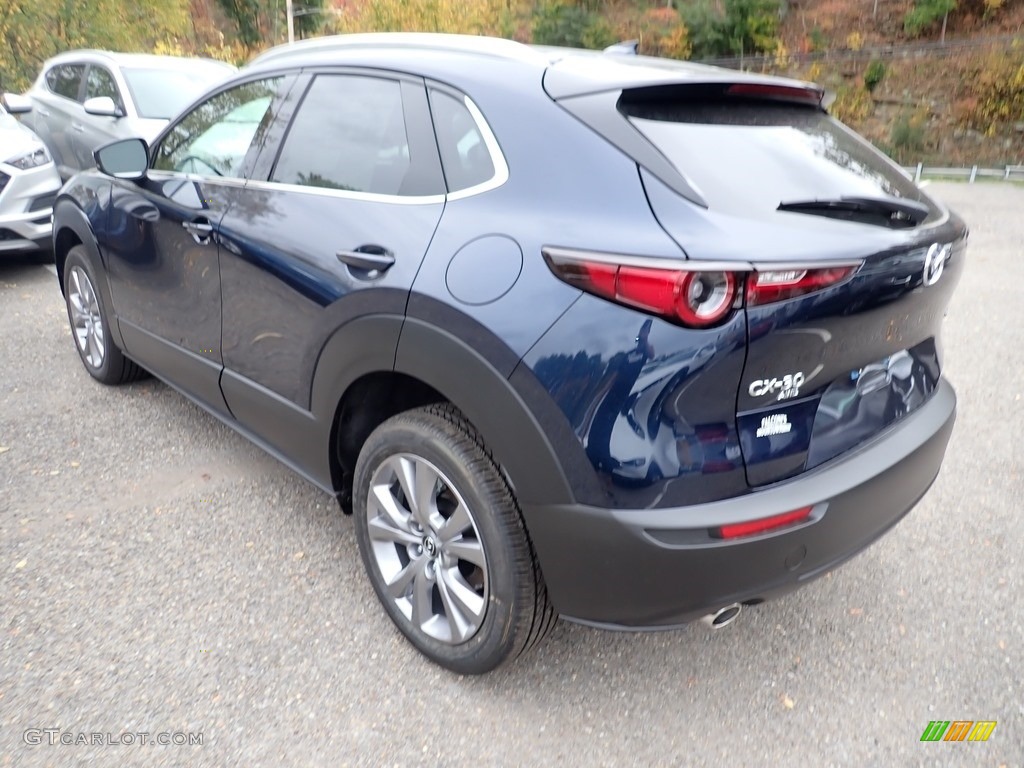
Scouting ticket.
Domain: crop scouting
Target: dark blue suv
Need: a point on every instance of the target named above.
(619, 339)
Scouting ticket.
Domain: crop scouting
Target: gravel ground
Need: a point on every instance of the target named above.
(160, 574)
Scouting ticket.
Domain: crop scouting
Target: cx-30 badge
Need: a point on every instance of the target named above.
(787, 387)
(935, 262)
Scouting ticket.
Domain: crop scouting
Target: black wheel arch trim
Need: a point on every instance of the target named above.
(489, 401)
(360, 347)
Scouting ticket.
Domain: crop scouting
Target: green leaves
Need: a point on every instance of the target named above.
(34, 30)
(925, 14)
(741, 27)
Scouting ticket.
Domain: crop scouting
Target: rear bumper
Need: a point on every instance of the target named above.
(653, 569)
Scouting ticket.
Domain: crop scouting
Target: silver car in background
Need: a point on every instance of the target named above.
(28, 185)
(85, 99)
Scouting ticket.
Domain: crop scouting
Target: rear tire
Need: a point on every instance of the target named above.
(444, 545)
(90, 323)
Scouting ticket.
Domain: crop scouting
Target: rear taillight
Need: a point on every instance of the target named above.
(765, 287)
(692, 293)
(697, 298)
(764, 524)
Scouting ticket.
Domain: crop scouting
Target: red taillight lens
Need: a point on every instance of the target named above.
(698, 299)
(752, 527)
(706, 297)
(768, 286)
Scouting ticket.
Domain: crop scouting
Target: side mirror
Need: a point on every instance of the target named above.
(103, 106)
(17, 104)
(124, 159)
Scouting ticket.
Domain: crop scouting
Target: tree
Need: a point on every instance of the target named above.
(925, 13)
(741, 27)
(246, 16)
(309, 17)
(34, 30)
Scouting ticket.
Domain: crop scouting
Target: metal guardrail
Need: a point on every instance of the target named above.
(1006, 173)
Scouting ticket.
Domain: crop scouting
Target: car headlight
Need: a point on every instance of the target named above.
(33, 159)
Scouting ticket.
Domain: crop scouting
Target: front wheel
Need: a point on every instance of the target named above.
(90, 324)
(443, 542)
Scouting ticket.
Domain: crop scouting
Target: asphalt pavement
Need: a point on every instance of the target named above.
(159, 575)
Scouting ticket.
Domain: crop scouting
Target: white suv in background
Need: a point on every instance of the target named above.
(85, 99)
(28, 184)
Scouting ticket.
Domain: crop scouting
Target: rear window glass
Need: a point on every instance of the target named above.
(748, 157)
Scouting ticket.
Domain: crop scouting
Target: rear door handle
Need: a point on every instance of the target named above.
(43, 112)
(200, 229)
(372, 258)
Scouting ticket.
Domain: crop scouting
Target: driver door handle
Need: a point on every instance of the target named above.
(372, 258)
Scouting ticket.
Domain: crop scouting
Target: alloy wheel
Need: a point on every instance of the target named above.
(86, 320)
(425, 544)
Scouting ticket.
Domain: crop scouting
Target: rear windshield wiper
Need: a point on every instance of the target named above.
(893, 212)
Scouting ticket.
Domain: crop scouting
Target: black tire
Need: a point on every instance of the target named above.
(516, 611)
(111, 366)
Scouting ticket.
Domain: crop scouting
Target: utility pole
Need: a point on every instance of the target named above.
(291, 21)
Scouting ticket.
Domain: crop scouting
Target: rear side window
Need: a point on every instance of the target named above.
(65, 79)
(348, 134)
(464, 154)
(747, 157)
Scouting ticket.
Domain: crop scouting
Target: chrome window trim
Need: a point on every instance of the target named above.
(493, 149)
(325, 192)
(162, 175)
(369, 197)
(501, 175)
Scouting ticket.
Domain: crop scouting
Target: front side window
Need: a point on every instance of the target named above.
(65, 79)
(349, 134)
(214, 138)
(101, 83)
(464, 155)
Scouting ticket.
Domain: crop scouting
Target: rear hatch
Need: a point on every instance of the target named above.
(849, 266)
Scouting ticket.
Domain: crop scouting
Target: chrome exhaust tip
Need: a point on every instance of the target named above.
(723, 617)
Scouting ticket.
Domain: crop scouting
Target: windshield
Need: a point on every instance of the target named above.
(162, 93)
(777, 153)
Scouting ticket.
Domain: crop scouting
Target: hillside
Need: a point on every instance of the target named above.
(939, 81)
(957, 101)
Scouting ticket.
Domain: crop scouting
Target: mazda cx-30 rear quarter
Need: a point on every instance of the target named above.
(629, 341)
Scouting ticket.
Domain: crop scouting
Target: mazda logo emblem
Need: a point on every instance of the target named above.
(935, 262)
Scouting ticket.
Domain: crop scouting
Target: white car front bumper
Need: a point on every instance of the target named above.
(26, 208)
